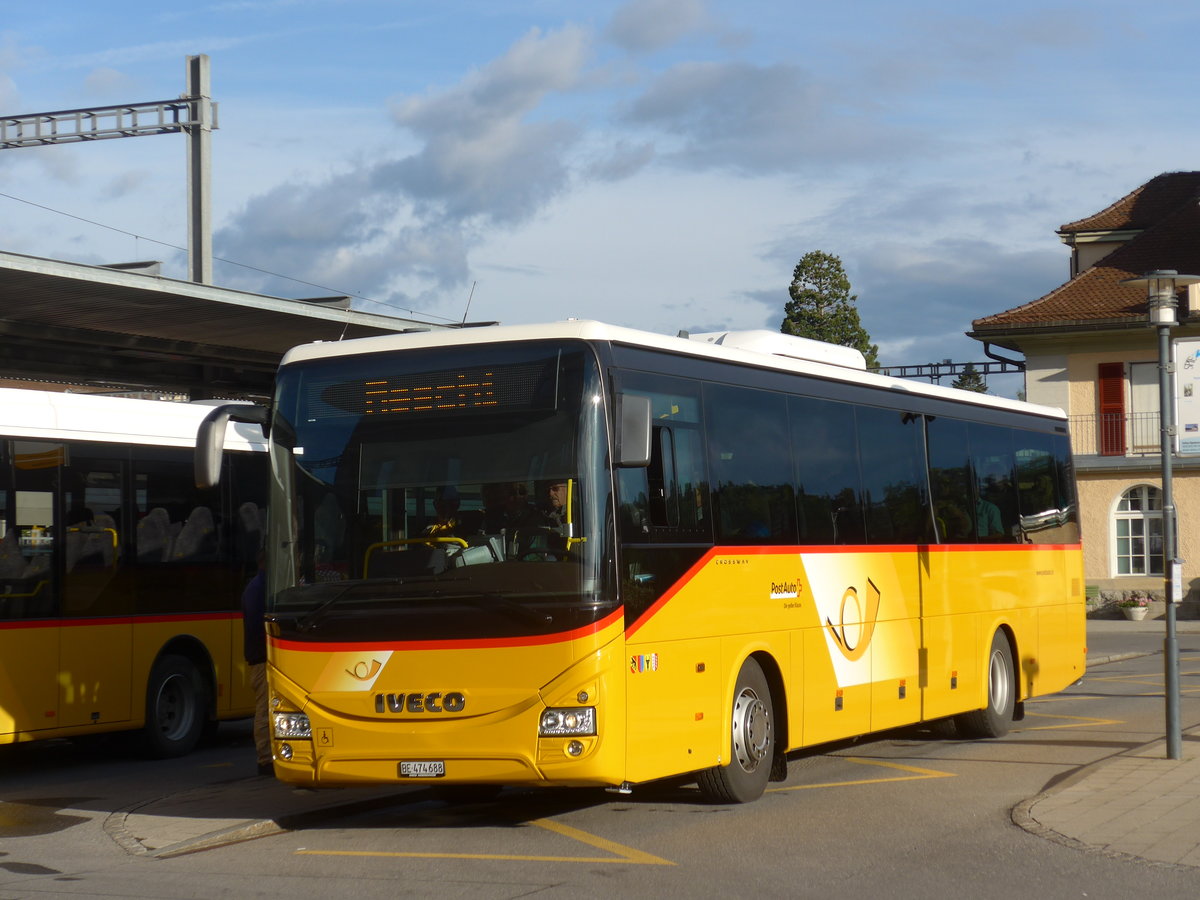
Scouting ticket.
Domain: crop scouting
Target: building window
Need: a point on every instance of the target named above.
(1138, 528)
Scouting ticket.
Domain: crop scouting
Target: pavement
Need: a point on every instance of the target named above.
(1135, 804)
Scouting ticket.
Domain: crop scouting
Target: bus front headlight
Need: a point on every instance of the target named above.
(568, 722)
(292, 725)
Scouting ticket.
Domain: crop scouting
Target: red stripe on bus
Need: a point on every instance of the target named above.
(534, 640)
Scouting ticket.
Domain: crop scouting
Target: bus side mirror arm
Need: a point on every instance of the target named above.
(633, 438)
(210, 438)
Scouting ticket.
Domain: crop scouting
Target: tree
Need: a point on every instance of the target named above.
(970, 380)
(822, 306)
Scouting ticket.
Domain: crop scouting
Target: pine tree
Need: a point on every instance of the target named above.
(970, 380)
(822, 306)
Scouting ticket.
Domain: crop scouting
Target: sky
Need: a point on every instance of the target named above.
(656, 164)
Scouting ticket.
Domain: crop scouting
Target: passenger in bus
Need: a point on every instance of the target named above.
(995, 482)
(445, 507)
(987, 519)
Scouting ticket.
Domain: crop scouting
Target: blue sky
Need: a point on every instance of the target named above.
(659, 164)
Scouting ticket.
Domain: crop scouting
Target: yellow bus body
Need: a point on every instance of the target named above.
(86, 676)
(853, 641)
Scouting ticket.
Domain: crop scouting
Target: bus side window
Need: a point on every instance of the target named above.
(829, 488)
(950, 480)
(893, 465)
(663, 509)
(668, 499)
(94, 547)
(995, 487)
(30, 473)
(749, 455)
(1044, 489)
(634, 505)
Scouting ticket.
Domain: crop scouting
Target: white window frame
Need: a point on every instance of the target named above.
(1137, 523)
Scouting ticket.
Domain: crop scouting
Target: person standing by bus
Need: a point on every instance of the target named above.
(254, 647)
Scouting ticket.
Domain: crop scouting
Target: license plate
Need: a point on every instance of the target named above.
(423, 768)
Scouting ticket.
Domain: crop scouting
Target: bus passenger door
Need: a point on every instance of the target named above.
(896, 694)
(95, 649)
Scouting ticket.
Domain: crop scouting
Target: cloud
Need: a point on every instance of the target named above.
(482, 156)
(624, 160)
(642, 26)
(9, 96)
(105, 83)
(402, 228)
(760, 120)
(134, 54)
(950, 282)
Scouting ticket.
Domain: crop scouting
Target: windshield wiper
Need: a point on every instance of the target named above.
(310, 620)
(314, 617)
(489, 601)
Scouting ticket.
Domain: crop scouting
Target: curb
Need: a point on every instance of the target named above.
(116, 826)
(1022, 814)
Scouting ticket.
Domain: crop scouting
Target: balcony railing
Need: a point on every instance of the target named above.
(1132, 434)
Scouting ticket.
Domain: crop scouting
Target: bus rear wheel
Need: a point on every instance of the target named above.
(996, 718)
(176, 707)
(745, 776)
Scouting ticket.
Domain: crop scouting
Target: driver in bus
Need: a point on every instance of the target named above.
(556, 512)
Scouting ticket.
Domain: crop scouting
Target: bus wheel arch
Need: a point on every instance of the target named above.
(754, 740)
(1001, 691)
(179, 700)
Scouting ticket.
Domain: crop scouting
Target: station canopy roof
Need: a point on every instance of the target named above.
(122, 329)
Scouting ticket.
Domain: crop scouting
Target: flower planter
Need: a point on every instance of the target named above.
(1135, 613)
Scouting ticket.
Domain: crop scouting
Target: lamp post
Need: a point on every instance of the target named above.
(1161, 285)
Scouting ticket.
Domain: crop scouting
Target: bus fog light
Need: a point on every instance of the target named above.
(285, 751)
(568, 721)
(293, 725)
(574, 748)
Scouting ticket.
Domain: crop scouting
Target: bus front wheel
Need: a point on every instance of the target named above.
(175, 707)
(995, 719)
(745, 776)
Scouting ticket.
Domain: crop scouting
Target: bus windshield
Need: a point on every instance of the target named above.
(440, 494)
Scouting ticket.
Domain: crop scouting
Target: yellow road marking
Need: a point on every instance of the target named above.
(629, 853)
(918, 775)
(1076, 722)
(622, 853)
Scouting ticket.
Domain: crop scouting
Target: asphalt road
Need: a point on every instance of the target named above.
(913, 813)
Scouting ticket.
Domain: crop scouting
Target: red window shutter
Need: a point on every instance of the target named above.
(1111, 395)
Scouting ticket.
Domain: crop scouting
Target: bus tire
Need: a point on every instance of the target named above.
(176, 707)
(745, 776)
(996, 718)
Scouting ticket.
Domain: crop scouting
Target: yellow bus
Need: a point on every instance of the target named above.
(576, 554)
(120, 582)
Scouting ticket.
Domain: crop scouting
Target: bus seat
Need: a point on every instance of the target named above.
(76, 547)
(250, 527)
(12, 560)
(197, 538)
(154, 536)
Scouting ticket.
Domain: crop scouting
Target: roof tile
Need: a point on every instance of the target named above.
(1170, 240)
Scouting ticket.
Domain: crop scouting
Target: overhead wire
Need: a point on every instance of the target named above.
(232, 262)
